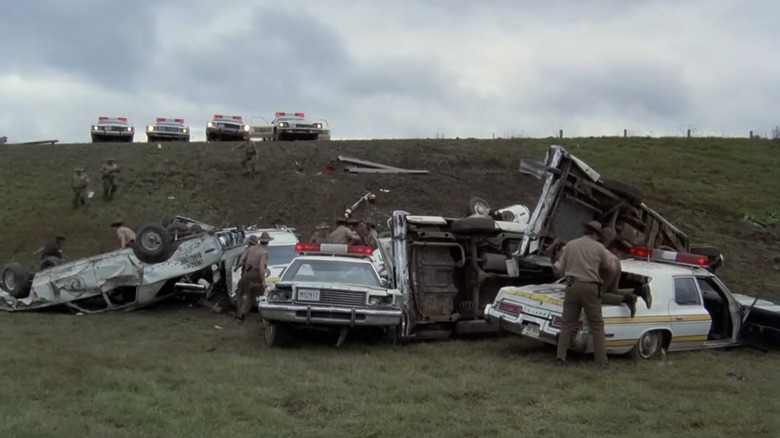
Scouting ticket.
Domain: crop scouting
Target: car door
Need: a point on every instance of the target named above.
(690, 321)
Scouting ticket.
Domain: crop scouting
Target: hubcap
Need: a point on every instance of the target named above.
(648, 345)
(152, 241)
(481, 208)
(9, 280)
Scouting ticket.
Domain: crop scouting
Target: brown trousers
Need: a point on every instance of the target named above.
(609, 293)
(249, 287)
(583, 296)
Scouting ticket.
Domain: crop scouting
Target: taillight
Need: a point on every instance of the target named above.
(557, 321)
(510, 309)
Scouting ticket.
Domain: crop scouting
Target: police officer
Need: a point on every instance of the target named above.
(249, 154)
(253, 264)
(357, 227)
(581, 261)
(125, 235)
(108, 173)
(79, 184)
(320, 234)
(51, 252)
(610, 293)
(343, 235)
(372, 237)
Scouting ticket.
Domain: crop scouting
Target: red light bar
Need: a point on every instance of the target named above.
(307, 247)
(122, 119)
(237, 118)
(669, 256)
(180, 121)
(357, 249)
(160, 119)
(218, 116)
(639, 252)
(278, 114)
(327, 248)
(691, 259)
(298, 114)
(102, 118)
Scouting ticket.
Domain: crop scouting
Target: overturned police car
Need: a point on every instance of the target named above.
(180, 255)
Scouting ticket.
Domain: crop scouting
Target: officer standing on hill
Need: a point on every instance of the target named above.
(581, 261)
(108, 173)
(79, 184)
(249, 154)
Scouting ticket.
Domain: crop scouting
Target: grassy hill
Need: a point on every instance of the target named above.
(172, 371)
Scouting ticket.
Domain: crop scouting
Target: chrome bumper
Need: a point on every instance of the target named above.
(307, 314)
(547, 333)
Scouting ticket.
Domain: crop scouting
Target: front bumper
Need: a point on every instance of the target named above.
(227, 133)
(329, 315)
(113, 133)
(526, 326)
(167, 135)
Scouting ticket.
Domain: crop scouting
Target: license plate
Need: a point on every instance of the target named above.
(531, 330)
(308, 294)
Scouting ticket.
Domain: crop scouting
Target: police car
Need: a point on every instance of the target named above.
(222, 128)
(167, 129)
(112, 129)
(690, 309)
(291, 126)
(330, 286)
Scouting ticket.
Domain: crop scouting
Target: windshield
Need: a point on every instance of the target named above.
(332, 271)
(281, 254)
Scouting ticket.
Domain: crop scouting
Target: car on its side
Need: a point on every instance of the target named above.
(223, 128)
(290, 127)
(112, 129)
(329, 287)
(167, 129)
(691, 309)
(183, 257)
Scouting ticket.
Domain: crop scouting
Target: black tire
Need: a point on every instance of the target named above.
(167, 221)
(648, 346)
(479, 206)
(631, 193)
(152, 243)
(50, 262)
(275, 334)
(209, 137)
(16, 280)
(392, 335)
(475, 225)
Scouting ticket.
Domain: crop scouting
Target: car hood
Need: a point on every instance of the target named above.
(747, 300)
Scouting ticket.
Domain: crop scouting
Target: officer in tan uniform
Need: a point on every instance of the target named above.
(125, 235)
(610, 293)
(357, 227)
(581, 261)
(108, 173)
(249, 154)
(253, 263)
(79, 184)
(372, 237)
(343, 235)
(321, 235)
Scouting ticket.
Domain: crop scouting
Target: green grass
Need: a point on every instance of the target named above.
(171, 372)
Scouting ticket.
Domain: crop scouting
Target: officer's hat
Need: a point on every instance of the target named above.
(265, 237)
(322, 226)
(252, 240)
(594, 225)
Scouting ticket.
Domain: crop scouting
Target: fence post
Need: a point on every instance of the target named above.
(689, 133)
(560, 133)
(750, 136)
(625, 133)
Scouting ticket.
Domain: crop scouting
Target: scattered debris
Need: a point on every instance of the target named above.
(373, 167)
(764, 220)
(737, 377)
(4, 140)
(218, 327)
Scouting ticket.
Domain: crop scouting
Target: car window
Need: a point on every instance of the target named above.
(685, 292)
(332, 271)
(709, 289)
(281, 254)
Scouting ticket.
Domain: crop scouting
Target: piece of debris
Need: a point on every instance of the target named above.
(373, 167)
(4, 140)
(737, 377)
(218, 327)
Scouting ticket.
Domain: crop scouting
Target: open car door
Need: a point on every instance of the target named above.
(260, 128)
(760, 326)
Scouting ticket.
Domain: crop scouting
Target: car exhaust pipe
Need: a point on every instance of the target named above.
(189, 287)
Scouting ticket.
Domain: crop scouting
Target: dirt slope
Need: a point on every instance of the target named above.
(205, 181)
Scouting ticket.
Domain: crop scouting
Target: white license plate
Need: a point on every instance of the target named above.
(531, 330)
(308, 294)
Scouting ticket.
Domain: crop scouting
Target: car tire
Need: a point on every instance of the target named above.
(648, 345)
(275, 334)
(392, 335)
(50, 262)
(479, 206)
(631, 193)
(152, 243)
(15, 280)
(474, 225)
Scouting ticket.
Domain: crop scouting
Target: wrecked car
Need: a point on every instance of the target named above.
(691, 309)
(179, 257)
(330, 287)
(448, 269)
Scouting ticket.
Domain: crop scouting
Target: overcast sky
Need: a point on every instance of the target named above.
(393, 68)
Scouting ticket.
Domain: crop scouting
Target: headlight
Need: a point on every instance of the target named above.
(150, 128)
(380, 301)
(210, 125)
(318, 125)
(94, 127)
(129, 128)
(184, 130)
(283, 124)
(246, 128)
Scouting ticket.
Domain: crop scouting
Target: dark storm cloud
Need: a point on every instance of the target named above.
(633, 89)
(105, 42)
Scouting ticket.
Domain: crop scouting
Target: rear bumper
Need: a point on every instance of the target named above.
(546, 333)
(329, 315)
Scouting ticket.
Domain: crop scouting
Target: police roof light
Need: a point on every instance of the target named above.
(278, 114)
(218, 116)
(658, 255)
(122, 119)
(330, 248)
(299, 115)
(239, 118)
(179, 121)
(102, 118)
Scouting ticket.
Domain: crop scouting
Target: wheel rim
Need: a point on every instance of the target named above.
(648, 345)
(481, 208)
(151, 241)
(9, 280)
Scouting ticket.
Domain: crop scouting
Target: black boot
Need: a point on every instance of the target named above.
(630, 301)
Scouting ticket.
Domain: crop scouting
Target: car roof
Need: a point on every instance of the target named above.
(656, 269)
(338, 258)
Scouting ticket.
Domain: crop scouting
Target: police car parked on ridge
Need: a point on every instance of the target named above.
(112, 129)
(330, 286)
(291, 126)
(168, 129)
(691, 309)
(222, 128)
